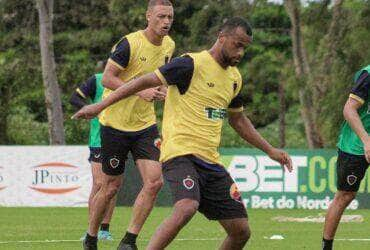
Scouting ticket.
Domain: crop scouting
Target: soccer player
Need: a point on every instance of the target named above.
(130, 125)
(204, 88)
(353, 153)
(93, 89)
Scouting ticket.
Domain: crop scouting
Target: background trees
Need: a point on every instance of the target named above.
(334, 37)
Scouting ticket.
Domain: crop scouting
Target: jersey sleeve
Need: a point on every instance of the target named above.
(360, 90)
(120, 55)
(178, 72)
(88, 89)
(83, 92)
(236, 104)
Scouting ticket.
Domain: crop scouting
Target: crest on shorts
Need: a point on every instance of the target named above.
(114, 162)
(96, 156)
(157, 143)
(188, 182)
(234, 193)
(351, 179)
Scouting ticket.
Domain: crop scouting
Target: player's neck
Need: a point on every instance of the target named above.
(215, 52)
(153, 37)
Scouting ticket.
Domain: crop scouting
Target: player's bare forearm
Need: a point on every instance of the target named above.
(244, 127)
(351, 115)
(147, 81)
(111, 79)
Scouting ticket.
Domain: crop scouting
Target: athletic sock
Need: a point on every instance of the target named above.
(129, 238)
(104, 227)
(92, 239)
(327, 244)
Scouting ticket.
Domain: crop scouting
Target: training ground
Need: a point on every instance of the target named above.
(61, 228)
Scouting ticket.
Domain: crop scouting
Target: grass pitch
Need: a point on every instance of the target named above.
(61, 228)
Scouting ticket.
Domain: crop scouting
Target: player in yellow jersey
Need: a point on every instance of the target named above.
(130, 125)
(204, 88)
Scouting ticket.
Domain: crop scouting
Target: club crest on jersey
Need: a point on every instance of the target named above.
(188, 182)
(351, 179)
(234, 193)
(114, 162)
(157, 143)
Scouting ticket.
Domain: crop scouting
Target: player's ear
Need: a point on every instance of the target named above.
(221, 37)
(148, 15)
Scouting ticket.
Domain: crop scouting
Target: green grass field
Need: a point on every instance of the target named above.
(36, 225)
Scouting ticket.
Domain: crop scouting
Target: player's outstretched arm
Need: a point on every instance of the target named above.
(244, 127)
(144, 82)
(351, 115)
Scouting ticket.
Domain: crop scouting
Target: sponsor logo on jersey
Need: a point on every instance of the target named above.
(157, 143)
(210, 84)
(234, 193)
(215, 113)
(55, 178)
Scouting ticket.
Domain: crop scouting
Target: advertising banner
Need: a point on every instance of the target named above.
(44, 176)
(311, 185)
(61, 176)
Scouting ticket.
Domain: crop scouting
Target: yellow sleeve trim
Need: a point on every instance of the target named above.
(235, 110)
(115, 64)
(80, 93)
(357, 98)
(161, 77)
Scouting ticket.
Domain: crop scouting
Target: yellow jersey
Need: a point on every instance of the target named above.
(135, 55)
(200, 93)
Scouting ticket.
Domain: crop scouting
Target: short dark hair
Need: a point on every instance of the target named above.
(153, 3)
(232, 23)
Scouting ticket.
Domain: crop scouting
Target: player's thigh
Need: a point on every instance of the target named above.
(236, 227)
(351, 170)
(95, 160)
(115, 146)
(182, 178)
(147, 144)
(220, 198)
(97, 173)
(150, 171)
(110, 184)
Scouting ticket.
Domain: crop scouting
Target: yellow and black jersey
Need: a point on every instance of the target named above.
(135, 55)
(199, 95)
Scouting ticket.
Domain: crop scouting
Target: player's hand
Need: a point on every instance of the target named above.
(151, 94)
(88, 112)
(367, 149)
(161, 94)
(282, 157)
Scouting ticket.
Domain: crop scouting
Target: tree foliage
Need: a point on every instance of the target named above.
(85, 31)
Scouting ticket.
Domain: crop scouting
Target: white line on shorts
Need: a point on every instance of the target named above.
(58, 241)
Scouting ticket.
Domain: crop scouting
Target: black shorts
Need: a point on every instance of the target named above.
(95, 155)
(116, 145)
(351, 170)
(215, 191)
